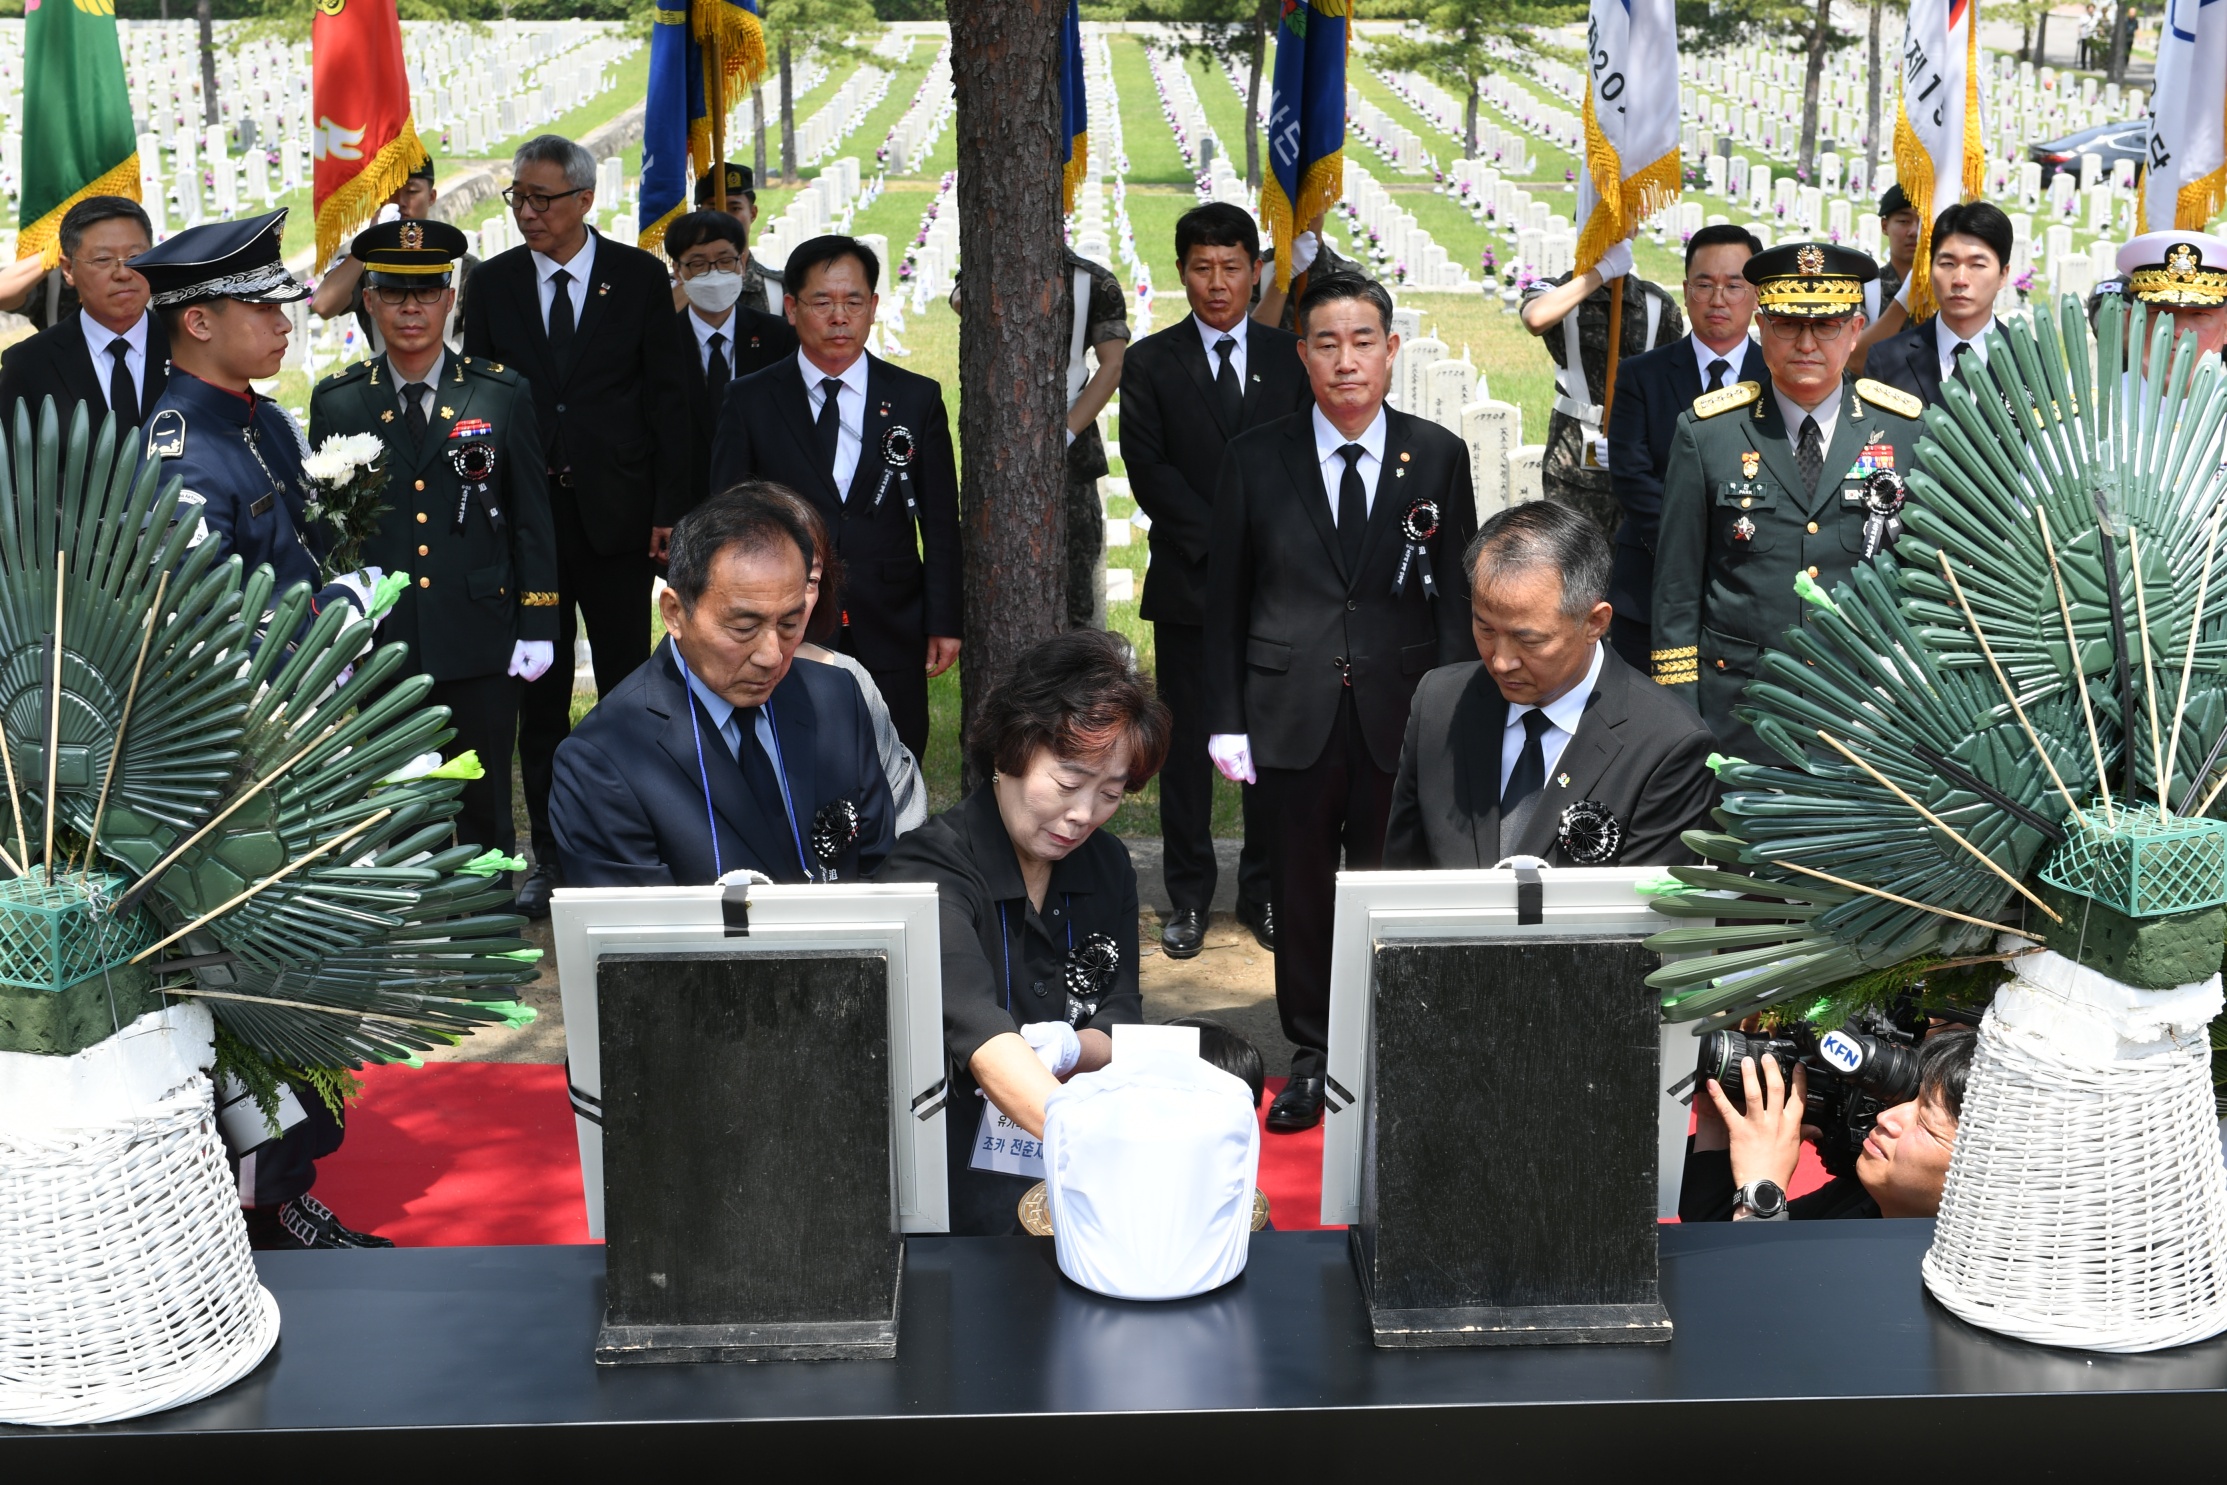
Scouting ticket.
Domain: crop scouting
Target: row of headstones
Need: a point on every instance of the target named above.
(1557, 126)
(932, 258)
(1195, 138)
(1429, 383)
(1401, 147)
(913, 138)
(824, 132)
(1403, 251)
(1100, 227)
(822, 205)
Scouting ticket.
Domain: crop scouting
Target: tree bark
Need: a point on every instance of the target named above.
(1811, 79)
(1469, 123)
(205, 18)
(2120, 44)
(1871, 104)
(758, 127)
(1013, 334)
(1252, 98)
(788, 120)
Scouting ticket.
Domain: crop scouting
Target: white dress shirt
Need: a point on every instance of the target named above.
(1564, 712)
(581, 266)
(98, 338)
(1733, 360)
(1827, 414)
(1945, 342)
(705, 330)
(850, 413)
(1328, 440)
(432, 380)
(1210, 335)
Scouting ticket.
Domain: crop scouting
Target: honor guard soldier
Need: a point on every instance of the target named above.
(1796, 476)
(761, 286)
(221, 291)
(2183, 274)
(467, 506)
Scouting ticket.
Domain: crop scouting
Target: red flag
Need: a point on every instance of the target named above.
(364, 142)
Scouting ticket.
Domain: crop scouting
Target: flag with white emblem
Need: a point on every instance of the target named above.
(2184, 177)
(1631, 122)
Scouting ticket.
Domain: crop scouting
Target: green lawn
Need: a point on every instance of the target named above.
(1153, 157)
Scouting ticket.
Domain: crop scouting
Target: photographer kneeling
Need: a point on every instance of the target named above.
(1738, 1164)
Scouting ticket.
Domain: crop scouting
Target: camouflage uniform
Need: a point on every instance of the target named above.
(1564, 471)
(1106, 318)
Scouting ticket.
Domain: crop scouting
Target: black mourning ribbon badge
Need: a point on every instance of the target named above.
(1884, 493)
(899, 449)
(833, 830)
(1589, 834)
(474, 464)
(1091, 967)
(1418, 526)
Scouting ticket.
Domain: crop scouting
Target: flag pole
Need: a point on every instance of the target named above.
(718, 83)
(1615, 348)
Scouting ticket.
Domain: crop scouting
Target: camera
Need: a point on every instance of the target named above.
(1854, 1074)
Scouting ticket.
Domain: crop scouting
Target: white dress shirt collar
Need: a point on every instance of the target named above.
(1734, 359)
(98, 338)
(850, 413)
(1564, 713)
(1208, 334)
(582, 264)
(1827, 414)
(1945, 342)
(1328, 441)
(432, 380)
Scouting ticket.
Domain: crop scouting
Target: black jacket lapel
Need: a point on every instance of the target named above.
(1393, 483)
(1190, 352)
(797, 726)
(796, 421)
(1306, 488)
(718, 774)
(1585, 761)
(1480, 717)
(880, 414)
(599, 287)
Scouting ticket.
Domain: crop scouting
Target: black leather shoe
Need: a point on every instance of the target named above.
(1298, 1107)
(533, 896)
(305, 1222)
(1183, 935)
(1261, 918)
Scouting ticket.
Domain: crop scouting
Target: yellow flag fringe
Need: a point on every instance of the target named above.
(1072, 175)
(2198, 202)
(357, 199)
(44, 236)
(742, 41)
(1914, 167)
(1319, 190)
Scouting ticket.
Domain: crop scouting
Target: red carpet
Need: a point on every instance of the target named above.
(464, 1153)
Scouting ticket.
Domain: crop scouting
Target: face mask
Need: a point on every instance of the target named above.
(713, 293)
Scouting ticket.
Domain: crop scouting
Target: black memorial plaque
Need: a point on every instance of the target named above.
(749, 1199)
(1508, 1179)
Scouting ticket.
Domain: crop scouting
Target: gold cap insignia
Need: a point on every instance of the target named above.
(2182, 260)
(1810, 258)
(413, 236)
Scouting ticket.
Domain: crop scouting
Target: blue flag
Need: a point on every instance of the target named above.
(703, 55)
(1074, 108)
(1306, 122)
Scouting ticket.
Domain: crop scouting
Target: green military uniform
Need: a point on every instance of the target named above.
(468, 519)
(1737, 526)
(1651, 318)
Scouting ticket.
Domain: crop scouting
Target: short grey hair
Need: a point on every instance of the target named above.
(554, 149)
(1544, 533)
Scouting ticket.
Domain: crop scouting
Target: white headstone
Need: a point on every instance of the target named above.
(1526, 475)
(1493, 431)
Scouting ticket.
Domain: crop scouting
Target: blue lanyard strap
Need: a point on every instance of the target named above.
(781, 784)
(703, 775)
(1005, 941)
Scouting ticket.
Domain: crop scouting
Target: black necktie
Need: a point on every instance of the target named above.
(123, 398)
(1529, 775)
(1717, 369)
(1353, 509)
(760, 780)
(1809, 455)
(830, 425)
(1956, 357)
(560, 312)
(413, 409)
(716, 370)
(1226, 383)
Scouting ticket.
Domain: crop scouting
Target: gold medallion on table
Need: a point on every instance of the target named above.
(1036, 1212)
(1260, 1209)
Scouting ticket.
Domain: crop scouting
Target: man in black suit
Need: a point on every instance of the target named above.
(725, 751)
(590, 323)
(730, 338)
(1334, 582)
(1971, 263)
(1651, 390)
(868, 445)
(1186, 391)
(111, 354)
(1550, 745)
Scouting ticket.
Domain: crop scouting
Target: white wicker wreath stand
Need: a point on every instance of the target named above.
(2086, 1205)
(126, 1285)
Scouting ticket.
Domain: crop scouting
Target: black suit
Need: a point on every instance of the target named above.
(632, 808)
(897, 589)
(1639, 752)
(613, 409)
(1173, 433)
(754, 341)
(57, 363)
(1910, 361)
(1316, 664)
(1651, 391)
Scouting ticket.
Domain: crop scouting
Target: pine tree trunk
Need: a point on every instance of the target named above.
(1013, 333)
(1872, 141)
(1252, 100)
(2120, 45)
(788, 120)
(758, 127)
(1469, 123)
(1812, 79)
(204, 17)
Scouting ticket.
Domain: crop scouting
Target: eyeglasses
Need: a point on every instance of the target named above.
(823, 305)
(415, 294)
(517, 200)
(690, 267)
(1738, 288)
(104, 262)
(1790, 330)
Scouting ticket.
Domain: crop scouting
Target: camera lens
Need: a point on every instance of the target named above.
(1721, 1052)
(1885, 1069)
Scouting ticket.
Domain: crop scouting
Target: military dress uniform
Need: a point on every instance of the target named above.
(1651, 319)
(468, 519)
(1740, 524)
(1101, 317)
(761, 286)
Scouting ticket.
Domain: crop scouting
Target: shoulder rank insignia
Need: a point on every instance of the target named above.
(1724, 399)
(1893, 399)
(166, 435)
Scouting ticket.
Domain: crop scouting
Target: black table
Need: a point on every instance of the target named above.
(1803, 1350)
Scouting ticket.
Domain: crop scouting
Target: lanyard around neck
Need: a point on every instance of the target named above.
(1005, 940)
(780, 782)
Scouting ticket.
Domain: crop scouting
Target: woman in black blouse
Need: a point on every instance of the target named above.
(1038, 910)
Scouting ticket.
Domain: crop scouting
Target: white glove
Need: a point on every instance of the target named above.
(1232, 753)
(1304, 249)
(1902, 295)
(388, 213)
(532, 658)
(1600, 450)
(359, 585)
(1616, 262)
(1070, 437)
(1055, 1043)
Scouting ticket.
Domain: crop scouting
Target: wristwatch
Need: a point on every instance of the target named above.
(1762, 1201)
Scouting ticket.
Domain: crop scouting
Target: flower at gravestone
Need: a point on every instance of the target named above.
(347, 476)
